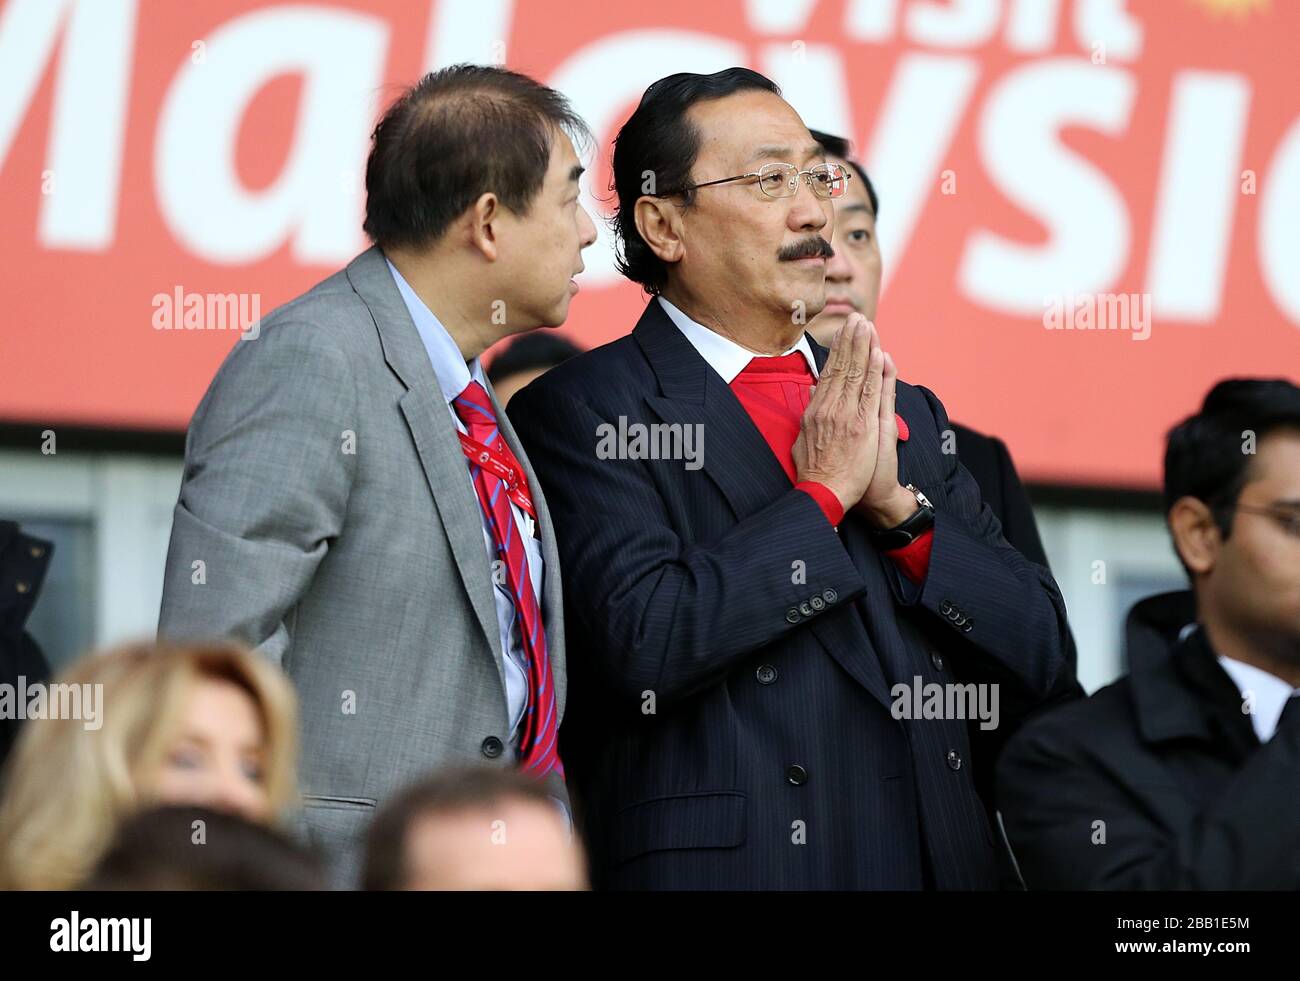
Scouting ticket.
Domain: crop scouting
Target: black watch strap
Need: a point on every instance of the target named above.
(901, 535)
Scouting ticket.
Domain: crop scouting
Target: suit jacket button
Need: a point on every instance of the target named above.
(967, 625)
(945, 607)
(792, 615)
(796, 774)
(817, 603)
(766, 674)
(829, 595)
(954, 760)
(492, 747)
(937, 660)
(806, 609)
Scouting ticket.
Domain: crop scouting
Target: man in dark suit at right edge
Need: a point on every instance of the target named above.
(1185, 774)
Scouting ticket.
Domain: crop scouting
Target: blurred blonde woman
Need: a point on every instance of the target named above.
(213, 725)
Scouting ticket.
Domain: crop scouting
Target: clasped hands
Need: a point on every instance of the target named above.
(848, 435)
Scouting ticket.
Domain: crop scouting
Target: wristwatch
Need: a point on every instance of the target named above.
(888, 539)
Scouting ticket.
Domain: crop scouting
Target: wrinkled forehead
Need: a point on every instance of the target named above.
(743, 131)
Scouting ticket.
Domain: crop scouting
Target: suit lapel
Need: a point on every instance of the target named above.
(738, 460)
(735, 455)
(434, 436)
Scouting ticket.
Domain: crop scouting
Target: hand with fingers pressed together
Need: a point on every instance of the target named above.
(848, 438)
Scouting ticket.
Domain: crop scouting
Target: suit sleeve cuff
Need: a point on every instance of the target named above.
(826, 500)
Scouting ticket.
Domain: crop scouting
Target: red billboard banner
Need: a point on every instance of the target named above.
(1090, 209)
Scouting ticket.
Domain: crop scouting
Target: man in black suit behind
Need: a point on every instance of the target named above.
(747, 587)
(1185, 774)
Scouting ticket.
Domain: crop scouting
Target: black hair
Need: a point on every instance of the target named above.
(658, 143)
(453, 136)
(160, 849)
(528, 352)
(838, 146)
(1206, 455)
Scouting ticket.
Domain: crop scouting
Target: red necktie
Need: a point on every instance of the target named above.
(498, 481)
(775, 392)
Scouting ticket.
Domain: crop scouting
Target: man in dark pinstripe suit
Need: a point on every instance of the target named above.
(748, 625)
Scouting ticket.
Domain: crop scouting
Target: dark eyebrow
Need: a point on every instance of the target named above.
(576, 171)
(1292, 505)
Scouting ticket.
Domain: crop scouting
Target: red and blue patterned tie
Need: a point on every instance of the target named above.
(538, 752)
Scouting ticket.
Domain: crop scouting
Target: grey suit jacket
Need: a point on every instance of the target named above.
(326, 517)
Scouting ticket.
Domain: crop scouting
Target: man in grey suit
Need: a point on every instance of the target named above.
(344, 503)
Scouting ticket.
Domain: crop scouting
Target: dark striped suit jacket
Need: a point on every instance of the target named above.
(731, 655)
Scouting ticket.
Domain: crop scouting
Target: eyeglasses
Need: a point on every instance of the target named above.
(781, 180)
(1288, 519)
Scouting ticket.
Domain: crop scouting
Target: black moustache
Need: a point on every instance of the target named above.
(812, 248)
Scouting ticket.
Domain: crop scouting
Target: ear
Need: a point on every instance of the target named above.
(484, 219)
(659, 222)
(1195, 534)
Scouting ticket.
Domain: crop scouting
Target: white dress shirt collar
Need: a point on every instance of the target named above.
(448, 363)
(1268, 693)
(724, 355)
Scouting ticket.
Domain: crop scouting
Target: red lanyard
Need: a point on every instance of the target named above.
(489, 459)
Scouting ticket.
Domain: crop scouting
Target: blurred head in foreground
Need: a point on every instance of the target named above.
(210, 725)
(181, 848)
(479, 828)
(853, 272)
(1232, 496)
(527, 357)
